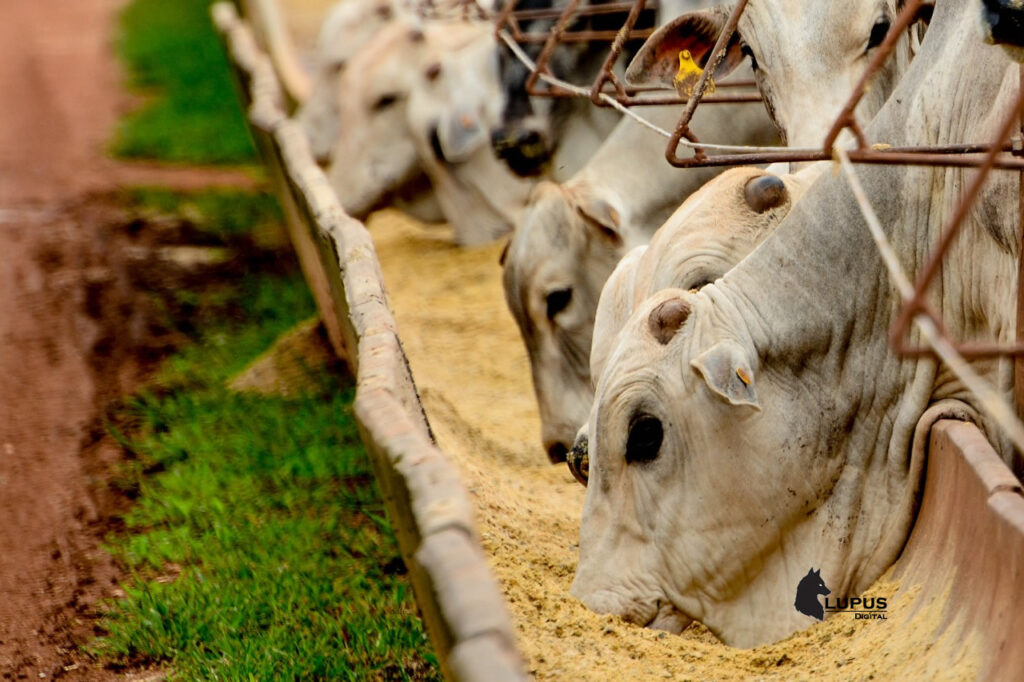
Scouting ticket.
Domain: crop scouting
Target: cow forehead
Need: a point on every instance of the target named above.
(813, 30)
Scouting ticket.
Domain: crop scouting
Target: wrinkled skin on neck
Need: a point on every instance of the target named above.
(793, 436)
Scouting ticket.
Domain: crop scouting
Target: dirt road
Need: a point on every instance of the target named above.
(70, 331)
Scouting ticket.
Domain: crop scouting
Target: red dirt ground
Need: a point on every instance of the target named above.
(72, 336)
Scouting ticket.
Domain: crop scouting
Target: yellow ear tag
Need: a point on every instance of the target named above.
(744, 377)
(689, 73)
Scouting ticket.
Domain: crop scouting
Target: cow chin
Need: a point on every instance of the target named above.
(653, 614)
(669, 619)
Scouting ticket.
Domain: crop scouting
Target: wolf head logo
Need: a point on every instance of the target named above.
(811, 585)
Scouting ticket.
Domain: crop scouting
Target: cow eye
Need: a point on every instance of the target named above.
(385, 101)
(557, 301)
(747, 52)
(878, 33)
(644, 441)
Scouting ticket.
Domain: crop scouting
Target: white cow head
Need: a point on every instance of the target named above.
(420, 98)
(347, 28)
(714, 229)
(807, 56)
(689, 448)
(560, 255)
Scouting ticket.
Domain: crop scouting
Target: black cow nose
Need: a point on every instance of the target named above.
(1006, 21)
(525, 151)
(529, 139)
(557, 452)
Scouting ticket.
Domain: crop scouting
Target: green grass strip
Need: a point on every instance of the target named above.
(172, 53)
(258, 546)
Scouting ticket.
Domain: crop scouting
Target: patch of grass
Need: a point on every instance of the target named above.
(193, 116)
(222, 214)
(258, 547)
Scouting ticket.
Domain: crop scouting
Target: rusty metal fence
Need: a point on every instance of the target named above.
(1006, 151)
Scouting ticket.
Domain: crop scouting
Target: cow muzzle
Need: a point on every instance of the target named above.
(578, 460)
(669, 619)
(525, 150)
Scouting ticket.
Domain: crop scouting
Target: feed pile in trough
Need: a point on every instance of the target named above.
(473, 377)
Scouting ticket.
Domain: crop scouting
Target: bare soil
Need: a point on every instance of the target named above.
(75, 330)
(472, 373)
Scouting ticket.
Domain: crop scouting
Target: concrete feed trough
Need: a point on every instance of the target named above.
(489, 530)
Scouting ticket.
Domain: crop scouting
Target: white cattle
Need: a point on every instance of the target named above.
(807, 55)
(347, 28)
(748, 432)
(570, 238)
(420, 97)
(544, 262)
(714, 229)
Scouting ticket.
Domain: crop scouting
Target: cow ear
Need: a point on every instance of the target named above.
(603, 216)
(459, 134)
(658, 61)
(727, 372)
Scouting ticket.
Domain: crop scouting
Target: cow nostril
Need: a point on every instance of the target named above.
(578, 460)
(557, 452)
(529, 138)
(435, 144)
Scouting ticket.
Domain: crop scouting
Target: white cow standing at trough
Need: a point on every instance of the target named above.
(400, 108)
(761, 427)
(714, 229)
(421, 97)
(347, 28)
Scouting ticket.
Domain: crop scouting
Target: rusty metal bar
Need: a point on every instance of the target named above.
(509, 18)
(954, 156)
(606, 75)
(915, 305)
(549, 46)
(846, 115)
(586, 36)
(714, 59)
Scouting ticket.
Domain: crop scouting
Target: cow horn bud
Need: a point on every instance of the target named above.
(667, 318)
(765, 192)
(578, 460)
